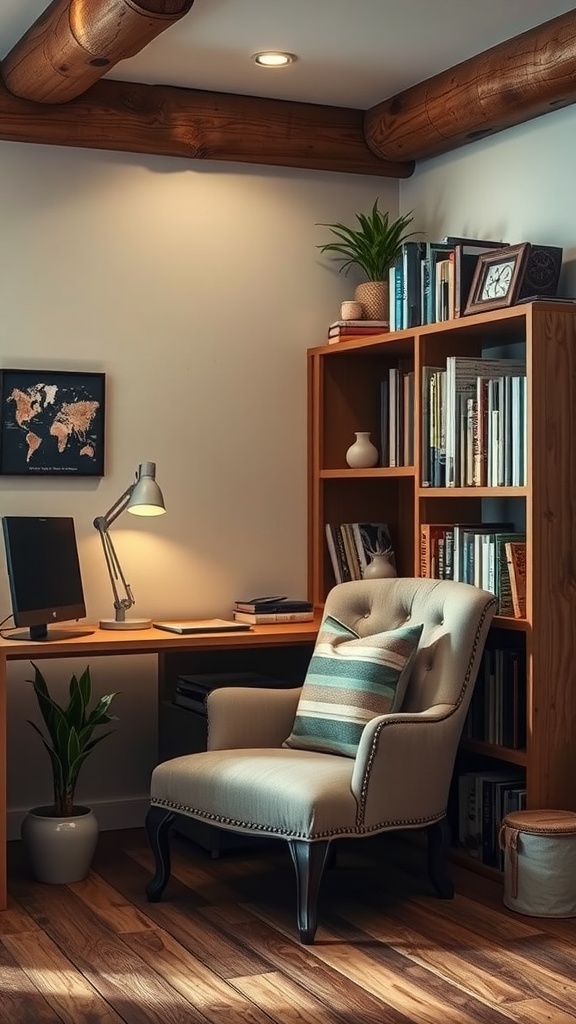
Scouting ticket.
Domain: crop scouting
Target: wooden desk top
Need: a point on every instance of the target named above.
(154, 641)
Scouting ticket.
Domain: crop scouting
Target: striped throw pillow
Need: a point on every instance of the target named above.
(350, 680)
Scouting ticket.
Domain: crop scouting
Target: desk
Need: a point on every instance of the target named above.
(118, 642)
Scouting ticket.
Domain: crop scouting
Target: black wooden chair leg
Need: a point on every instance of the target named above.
(309, 860)
(438, 836)
(158, 822)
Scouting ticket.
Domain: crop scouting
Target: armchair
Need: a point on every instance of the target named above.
(398, 776)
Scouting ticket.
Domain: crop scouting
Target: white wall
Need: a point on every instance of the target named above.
(517, 186)
(197, 288)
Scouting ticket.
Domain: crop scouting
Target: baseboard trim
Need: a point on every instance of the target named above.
(111, 815)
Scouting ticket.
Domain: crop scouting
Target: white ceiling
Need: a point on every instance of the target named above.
(353, 53)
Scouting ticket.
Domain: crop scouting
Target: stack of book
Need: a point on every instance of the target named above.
(342, 329)
(276, 608)
(484, 799)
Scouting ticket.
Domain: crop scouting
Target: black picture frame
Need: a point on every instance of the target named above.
(489, 261)
(52, 423)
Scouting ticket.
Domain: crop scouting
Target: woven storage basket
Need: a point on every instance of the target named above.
(540, 862)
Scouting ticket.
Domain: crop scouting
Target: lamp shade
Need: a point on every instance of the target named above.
(146, 498)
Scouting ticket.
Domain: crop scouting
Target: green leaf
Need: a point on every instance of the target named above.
(69, 731)
(373, 245)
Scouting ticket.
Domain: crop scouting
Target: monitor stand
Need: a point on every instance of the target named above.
(43, 634)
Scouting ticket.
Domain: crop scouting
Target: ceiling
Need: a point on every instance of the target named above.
(353, 53)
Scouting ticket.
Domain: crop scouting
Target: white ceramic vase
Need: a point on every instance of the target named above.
(60, 849)
(380, 567)
(362, 454)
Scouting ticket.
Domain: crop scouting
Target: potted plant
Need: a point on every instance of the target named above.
(373, 246)
(61, 839)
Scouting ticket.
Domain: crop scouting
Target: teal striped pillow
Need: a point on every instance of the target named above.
(350, 680)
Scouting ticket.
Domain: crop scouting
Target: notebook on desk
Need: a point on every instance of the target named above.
(203, 626)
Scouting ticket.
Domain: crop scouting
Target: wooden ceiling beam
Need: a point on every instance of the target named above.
(526, 76)
(74, 42)
(169, 121)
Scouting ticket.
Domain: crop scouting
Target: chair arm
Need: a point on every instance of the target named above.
(247, 716)
(404, 765)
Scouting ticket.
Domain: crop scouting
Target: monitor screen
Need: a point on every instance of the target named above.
(43, 574)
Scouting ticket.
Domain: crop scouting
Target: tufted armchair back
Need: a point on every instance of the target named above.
(451, 645)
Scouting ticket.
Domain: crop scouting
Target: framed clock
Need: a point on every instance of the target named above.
(497, 278)
(503, 277)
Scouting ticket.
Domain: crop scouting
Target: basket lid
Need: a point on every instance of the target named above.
(542, 822)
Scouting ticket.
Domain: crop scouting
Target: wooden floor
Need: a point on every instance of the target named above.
(222, 947)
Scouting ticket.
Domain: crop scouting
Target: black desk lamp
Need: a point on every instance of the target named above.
(142, 498)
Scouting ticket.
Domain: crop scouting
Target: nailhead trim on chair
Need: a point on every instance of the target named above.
(256, 827)
(423, 721)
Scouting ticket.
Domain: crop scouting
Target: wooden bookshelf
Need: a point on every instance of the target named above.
(343, 397)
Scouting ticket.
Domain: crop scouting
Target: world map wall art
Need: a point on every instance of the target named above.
(52, 423)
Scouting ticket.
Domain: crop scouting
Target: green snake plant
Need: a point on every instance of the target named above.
(70, 729)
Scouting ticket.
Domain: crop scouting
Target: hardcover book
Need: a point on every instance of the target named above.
(269, 605)
(516, 559)
(265, 618)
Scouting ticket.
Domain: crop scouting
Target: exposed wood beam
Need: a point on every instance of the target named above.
(74, 42)
(513, 82)
(169, 121)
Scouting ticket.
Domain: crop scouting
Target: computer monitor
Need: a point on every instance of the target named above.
(44, 575)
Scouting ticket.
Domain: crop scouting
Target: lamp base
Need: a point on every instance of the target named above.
(127, 624)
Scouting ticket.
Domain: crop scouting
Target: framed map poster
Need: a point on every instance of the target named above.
(51, 423)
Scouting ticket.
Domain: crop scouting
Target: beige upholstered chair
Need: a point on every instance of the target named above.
(248, 782)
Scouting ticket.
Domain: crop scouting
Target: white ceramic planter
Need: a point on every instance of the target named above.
(60, 850)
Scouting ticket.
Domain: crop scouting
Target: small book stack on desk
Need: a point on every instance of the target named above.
(275, 608)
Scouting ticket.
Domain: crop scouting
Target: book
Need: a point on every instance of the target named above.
(503, 582)
(347, 333)
(202, 626)
(273, 604)
(337, 553)
(352, 545)
(430, 536)
(262, 618)
(465, 257)
(462, 374)
(358, 323)
(516, 559)
(412, 255)
(432, 253)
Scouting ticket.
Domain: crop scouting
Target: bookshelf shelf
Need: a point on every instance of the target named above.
(472, 492)
(506, 622)
(344, 392)
(367, 474)
(491, 750)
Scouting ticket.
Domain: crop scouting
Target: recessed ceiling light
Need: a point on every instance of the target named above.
(274, 58)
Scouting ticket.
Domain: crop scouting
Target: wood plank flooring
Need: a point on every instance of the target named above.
(221, 947)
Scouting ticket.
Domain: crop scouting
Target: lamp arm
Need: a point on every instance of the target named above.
(102, 523)
(121, 604)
